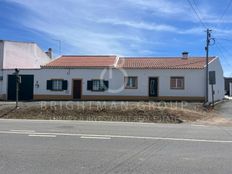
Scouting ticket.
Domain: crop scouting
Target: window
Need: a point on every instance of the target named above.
(131, 82)
(177, 82)
(97, 85)
(57, 85)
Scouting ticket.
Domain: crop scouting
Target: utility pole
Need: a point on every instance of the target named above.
(18, 81)
(208, 38)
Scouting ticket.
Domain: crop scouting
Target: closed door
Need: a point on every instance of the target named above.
(153, 87)
(77, 89)
(26, 87)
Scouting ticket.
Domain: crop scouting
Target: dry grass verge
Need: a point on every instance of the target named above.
(133, 112)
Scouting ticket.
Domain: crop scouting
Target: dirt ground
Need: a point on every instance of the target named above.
(155, 112)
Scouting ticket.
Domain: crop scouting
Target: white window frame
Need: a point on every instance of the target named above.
(129, 84)
(177, 80)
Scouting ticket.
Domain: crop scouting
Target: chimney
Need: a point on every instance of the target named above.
(185, 55)
(49, 52)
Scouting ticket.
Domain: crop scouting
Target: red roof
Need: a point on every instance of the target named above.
(82, 61)
(128, 62)
(162, 63)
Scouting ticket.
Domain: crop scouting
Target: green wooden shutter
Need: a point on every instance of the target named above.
(106, 85)
(49, 84)
(90, 85)
(64, 85)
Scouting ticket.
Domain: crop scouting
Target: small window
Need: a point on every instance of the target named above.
(98, 85)
(177, 82)
(57, 85)
(131, 82)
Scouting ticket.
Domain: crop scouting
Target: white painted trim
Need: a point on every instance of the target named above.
(211, 61)
(116, 61)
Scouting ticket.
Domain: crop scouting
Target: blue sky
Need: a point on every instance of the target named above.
(122, 27)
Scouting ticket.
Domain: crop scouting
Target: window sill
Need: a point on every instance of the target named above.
(99, 90)
(130, 88)
(56, 90)
(177, 88)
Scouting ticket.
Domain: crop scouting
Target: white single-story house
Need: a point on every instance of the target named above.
(114, 78)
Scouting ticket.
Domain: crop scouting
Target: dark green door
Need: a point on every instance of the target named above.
(153, 87)
(26, 87)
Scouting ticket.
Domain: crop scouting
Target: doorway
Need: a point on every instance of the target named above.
(77, 88)
(26, 87)
(153, 87)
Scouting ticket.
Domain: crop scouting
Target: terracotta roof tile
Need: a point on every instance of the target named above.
(82, 61)
(162, 63)
(128, 62)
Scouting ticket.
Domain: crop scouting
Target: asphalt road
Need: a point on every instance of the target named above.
(60, 147)
(225, 109)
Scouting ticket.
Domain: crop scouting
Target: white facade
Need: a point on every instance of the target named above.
(25, 55)
(219, 87)
(28, 57)
(116, 81)
(22, 55)
(194, 87)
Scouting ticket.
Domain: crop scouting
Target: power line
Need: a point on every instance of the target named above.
(225, 49)
(225, 39)
(222, 53)
(224, 12)
(196, 12)
(195, 4)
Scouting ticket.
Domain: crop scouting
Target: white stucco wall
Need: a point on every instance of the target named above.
(194, 81)
(4, 82)
(24, 55)
(219, 87)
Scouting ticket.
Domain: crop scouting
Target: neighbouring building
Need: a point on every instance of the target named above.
(115, 78)
(228, 80)
(26, 56)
